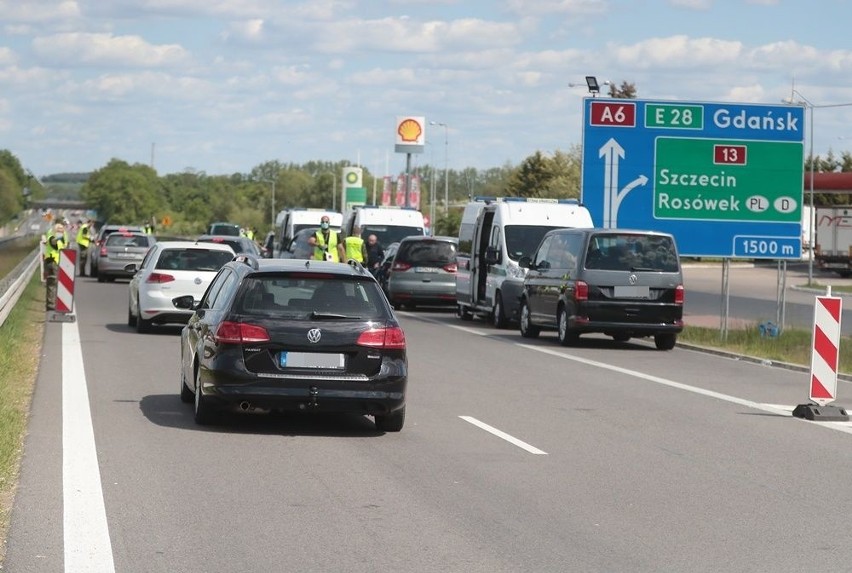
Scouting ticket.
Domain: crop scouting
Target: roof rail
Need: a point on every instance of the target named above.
(247, 259)
(490, 199)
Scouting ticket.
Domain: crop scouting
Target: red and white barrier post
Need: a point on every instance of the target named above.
(65, 284)
(825, 359)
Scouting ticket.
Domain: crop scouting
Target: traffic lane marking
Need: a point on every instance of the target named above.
(503, 435)
(845, 427)
(86, 532)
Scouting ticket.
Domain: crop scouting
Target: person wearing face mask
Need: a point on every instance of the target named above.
(54, 242)
(328, 246)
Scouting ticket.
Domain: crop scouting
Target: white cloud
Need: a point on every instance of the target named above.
(547, 7)
(7, 56)
(21, 11)
(81, 49)
(678, 51)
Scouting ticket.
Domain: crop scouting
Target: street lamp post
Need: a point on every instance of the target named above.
(273, 204)
(446, 165)
(805, 102)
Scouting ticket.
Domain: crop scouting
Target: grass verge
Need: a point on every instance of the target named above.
(792, 346)
(21, 340)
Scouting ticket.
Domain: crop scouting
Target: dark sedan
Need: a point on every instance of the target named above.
(276, 334)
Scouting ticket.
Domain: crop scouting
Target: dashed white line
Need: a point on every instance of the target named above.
(86, 533)
(500, 434)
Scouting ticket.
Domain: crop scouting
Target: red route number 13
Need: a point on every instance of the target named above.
(729, 154)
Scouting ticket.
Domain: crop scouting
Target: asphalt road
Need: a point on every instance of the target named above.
(517, 455)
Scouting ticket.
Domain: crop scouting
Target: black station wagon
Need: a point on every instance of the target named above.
(622, 283)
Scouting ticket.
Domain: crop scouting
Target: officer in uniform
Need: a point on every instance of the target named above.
(354, 246)
(327, 246)
(54, 242)
(84, 239)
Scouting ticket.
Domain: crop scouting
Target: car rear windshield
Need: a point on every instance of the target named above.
(224, 229)
(426, 252)
(297, 295)
(632, 252)
(193, 259)
(126, 240)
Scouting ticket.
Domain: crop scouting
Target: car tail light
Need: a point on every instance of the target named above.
(400, 266)
(392, 337)
(159, 278)
(581, 290)
(451, 268)
(103, 251)
(239, 333)
(679, 294)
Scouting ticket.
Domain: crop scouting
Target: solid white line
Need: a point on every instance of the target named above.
(504, 435)
(87, 543)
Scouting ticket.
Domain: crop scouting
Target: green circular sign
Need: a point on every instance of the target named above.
(351, 177)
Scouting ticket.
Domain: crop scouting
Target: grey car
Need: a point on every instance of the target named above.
(118, 250)
(423, 272)
(96, 248)
(622, 283)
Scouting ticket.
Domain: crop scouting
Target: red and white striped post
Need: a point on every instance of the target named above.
(825, 359)
(65, 281)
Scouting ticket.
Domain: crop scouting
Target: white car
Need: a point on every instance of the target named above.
(171, 269)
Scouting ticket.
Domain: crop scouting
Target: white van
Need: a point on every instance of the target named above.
(494, 234)
(388, 224)
(300, 218)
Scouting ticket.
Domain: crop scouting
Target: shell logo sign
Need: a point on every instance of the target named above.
(410, 134)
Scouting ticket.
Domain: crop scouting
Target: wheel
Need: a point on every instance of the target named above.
(186, 395)
(528, 329)
(498, 314)
(204, 412)
(620, 337)
(131, 320)
(101, 278)
(567, 337)
(142, 325)
(391, 422)
(665, 341)
(463, 313)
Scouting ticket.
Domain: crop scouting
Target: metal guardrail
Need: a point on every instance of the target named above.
(13, 284)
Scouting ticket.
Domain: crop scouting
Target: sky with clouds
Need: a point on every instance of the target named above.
(221, 86)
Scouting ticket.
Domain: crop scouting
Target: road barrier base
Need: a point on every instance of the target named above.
(53, 316)
(817, 413)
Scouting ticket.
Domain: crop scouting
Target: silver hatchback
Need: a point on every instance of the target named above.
(423, 272)
(118, 250)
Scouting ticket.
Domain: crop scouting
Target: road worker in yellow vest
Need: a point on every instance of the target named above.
(354, 246)
(54, 242)
(84, 239)
(328, 246)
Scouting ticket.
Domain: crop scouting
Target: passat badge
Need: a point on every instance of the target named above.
(314, 335)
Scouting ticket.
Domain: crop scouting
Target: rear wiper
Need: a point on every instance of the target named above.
(315, 314)
(633, 269)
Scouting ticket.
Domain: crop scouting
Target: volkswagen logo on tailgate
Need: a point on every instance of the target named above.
(632, 279)
(197, 280)
(314, 335)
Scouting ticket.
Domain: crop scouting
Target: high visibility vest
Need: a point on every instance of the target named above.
(354, 248)
(250, 234)
(49, 251)
(332, 246)
(83, 239)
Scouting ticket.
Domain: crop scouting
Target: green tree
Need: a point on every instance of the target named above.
(124, 193)
(555, 177)
(626, 90)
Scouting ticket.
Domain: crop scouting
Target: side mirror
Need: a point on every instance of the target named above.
(131, 268)
(492, 256)
(186, 302)
(525, 262)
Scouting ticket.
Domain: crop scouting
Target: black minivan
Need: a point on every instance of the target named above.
(622, 283)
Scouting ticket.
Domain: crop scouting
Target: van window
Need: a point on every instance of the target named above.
(632, 252)
(522, 240)
(387, 234)
(465, 239)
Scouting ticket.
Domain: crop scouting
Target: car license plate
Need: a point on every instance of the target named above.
(425, 270)
(310, 360)
(632, 292)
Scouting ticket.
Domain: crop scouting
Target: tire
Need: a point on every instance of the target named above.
(131, 320)
(528, 329)
(142, 325)
(101, 278)
(463, 313)
(498, 313)
(621, 337)
(567, 337)
(391, 422)
(186, 395)
(665, 341)
(204, 412)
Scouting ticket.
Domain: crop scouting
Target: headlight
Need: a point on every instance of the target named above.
(515, 272)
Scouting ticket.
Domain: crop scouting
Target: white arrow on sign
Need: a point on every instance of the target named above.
(613, 152)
